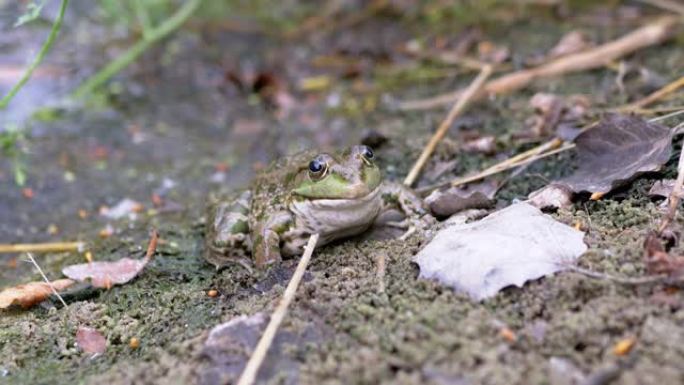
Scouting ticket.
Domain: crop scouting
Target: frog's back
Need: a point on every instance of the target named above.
(271, 186)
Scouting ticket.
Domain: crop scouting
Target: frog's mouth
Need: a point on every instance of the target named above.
(334, 186)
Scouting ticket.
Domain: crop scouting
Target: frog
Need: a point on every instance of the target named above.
(335, 194)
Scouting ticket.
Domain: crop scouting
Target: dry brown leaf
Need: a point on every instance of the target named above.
(107, 274)
(31, 293)
(455, 199)
(617, 150)
(558, 114)
(90, 340)
(551, 196)
(550, 109)
(483, 145)
(658, 261)
(662, 188)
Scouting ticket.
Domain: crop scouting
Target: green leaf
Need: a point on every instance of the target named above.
(32, 13)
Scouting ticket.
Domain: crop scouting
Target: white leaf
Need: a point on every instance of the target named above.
(508, 247)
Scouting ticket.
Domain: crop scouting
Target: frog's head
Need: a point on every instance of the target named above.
(350, 175)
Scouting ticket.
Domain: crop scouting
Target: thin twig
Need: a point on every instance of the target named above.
(354, 18)
(380, 262)
(596, 57)
(121, 62)
(531, 156)
(675, 196)
(538, 150)
(151, 246)
(47, 280)
(496, 170)
(655, 96)
(647, 280)
(39, 58)
(317, 21)
(668, 5)
(667, 116)
(658, 110)
(249, 374)
(525, 158)
(456, 110)
(42, 247)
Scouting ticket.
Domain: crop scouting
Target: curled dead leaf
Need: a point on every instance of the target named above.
(107, 274)
(448, 202)
(31, 293)
(617, 150)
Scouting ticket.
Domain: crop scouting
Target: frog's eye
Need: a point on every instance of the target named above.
(317, 168)
(367, 152)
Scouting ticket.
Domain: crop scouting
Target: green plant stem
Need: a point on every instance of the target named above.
(137, 49)
(39, 58)
(143, 18)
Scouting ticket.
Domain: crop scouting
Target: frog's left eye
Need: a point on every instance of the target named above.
(317, 168)
(367, 152)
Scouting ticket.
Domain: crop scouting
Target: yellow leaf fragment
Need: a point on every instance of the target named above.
(31, 293)
(315, 83)
(624, 346)
(596, 196)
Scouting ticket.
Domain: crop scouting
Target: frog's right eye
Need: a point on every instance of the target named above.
(317, 168)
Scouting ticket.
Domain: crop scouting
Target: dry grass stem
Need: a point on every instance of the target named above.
(648, 35)
(249, 374)
(381, 267)
(498, 169)
(673, 199)
(46, 279)
(542, 148)
(42, 247)
(456, 110)
(667, 5)
(330, 20)
(647, 280)
(655, 96)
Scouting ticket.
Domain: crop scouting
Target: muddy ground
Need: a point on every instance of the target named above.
(185, 121)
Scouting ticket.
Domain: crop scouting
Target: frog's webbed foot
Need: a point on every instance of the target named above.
(233, 251)
(417, 218)
(413, 224)
(267, 239)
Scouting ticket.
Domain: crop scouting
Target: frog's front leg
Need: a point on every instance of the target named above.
(266, 236)
(227, 232)
(418, 217)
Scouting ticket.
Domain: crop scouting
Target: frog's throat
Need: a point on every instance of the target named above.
(336, 187)
(337, 218)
